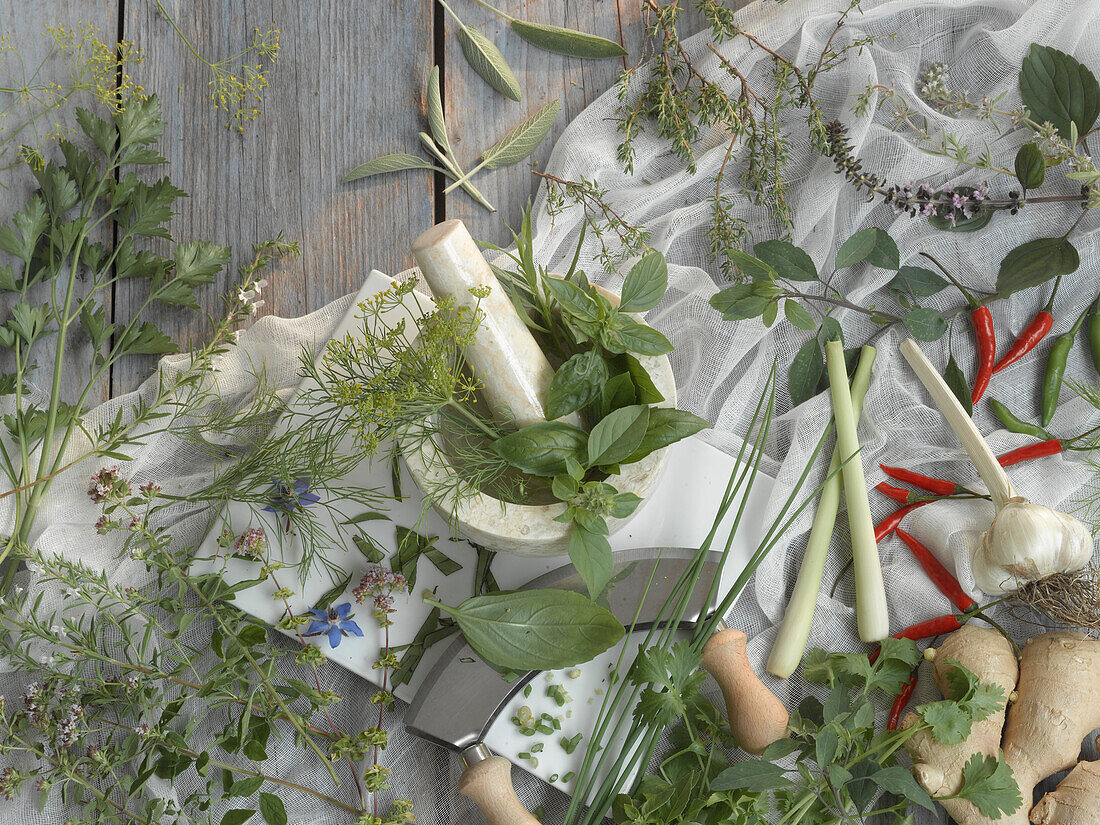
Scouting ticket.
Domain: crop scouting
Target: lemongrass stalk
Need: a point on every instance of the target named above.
(992, 473)
(872, 615)
(790, 643)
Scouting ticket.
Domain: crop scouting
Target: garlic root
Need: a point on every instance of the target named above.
(937, 766)
(1076, 800)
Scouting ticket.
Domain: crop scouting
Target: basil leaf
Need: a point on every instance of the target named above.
(646, 283)
(804, 374)
(645, 389)
(872, 245)
(572, 298)
(541, 449)
(666, 426)
(569, 42)
(272, 809)
(536, 629)
(523, 139)
(917, 281)
(1031, 167)
(788, 261)
(624, 334)
(1055, 87)
(798, 315)
(955, 379)
(925, 324)
(899, 781)
(957, 220)
(617, 393)
(577, 382)
(591, 555)
(389, 163)
(623, 504)
(434, 105)
(618, 435)
(753, 267)
(1034, 263)
(739, 302)
(485, 59)
(753, 775)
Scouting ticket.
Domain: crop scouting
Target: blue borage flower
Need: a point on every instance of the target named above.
(336, 622)
(285, 500)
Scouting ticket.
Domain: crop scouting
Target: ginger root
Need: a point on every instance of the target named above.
(937, 766)
(1076, 800)
(1058, 705)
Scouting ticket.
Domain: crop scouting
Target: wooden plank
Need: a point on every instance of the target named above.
(477, 115)
(28, 58)
(346, 87)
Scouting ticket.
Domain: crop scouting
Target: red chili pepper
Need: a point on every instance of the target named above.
(898, 494)
(1033, 333)
(933, 485)
(901, 701)
(940, 575)
(924, 630)
(986, 340)
(1037, 450)
(890, 523)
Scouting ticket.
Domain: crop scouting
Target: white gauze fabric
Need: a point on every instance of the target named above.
(721, 367)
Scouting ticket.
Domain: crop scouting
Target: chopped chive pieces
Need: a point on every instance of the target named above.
(568, 777)
(574, 673)
(558, 694)
(526, 691)
(544, 728)
(556, 723)
(553, 777)
(537, 747)
(570, 745)
(524, 755)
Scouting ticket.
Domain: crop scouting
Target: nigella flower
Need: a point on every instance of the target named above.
(285, 500)
(336, 622)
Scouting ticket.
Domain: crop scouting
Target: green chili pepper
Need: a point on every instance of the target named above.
(1094, 334)
(1056, 368)
(1017, 425)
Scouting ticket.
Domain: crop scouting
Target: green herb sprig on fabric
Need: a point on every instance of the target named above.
(835, 767)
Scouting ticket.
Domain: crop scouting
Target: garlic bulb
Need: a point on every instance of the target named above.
(1026, 542)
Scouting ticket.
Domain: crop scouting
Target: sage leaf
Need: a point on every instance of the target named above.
(535, 629)
(925, 324)
(591, 555)
(618, 435)
(624, 334)
(666, 426)
(872, 245)
(917, 281)
(434, 105)
(272, 809)
(523, 139)
(541, 449)
(570, 42)
(577, 383)
(804, 374)
(485, 59)
(389, 163)
(645, 285)
(955, 379)
(959, 222)
(798, 315)
(1035, 263)
(1055, 87)
(1031, 167)
(788, 261)
(646, 390)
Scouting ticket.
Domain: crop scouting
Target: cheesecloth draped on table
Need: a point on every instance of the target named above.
(721, 367)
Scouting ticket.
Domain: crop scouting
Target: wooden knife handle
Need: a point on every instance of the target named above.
(488, 783)
(757, 718)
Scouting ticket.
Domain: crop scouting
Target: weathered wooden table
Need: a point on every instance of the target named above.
(347, 87)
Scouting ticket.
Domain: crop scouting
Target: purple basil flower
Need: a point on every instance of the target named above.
(336, 622)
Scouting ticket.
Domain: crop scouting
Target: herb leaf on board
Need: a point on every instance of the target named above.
(485, 59)
(570, 42)
(523, 139)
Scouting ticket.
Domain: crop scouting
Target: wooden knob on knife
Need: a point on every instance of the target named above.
(487, 780)
(757, 718)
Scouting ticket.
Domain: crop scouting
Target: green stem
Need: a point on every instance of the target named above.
(465, 178)
(494, 10)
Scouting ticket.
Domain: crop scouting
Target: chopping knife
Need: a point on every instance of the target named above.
(462, 696)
